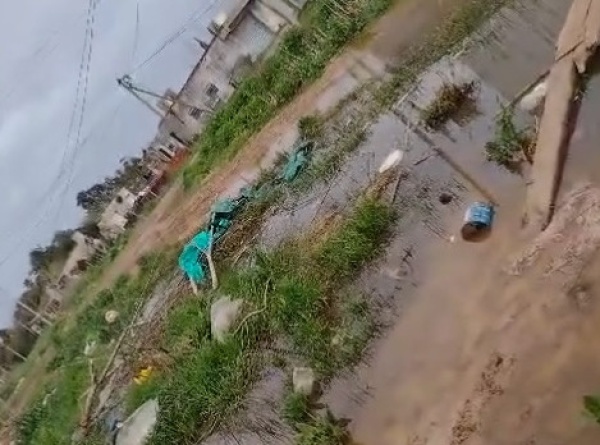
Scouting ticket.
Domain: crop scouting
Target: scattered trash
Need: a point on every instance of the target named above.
(303, 380)
(113, 424)
(136, 429)
(478, 222)
(111, 316)
(223, 314)
(143, 375)
(393, 160)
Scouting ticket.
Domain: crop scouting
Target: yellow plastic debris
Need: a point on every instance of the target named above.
(143, 375)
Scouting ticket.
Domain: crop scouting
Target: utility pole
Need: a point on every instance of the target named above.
(11, 350)
(137, 92)
(127, 83)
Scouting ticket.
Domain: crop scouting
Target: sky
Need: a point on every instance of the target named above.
(64, 123)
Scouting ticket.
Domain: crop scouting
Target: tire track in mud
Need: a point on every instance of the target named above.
(489, 386)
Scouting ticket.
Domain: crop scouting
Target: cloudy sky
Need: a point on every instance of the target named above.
(63, 128)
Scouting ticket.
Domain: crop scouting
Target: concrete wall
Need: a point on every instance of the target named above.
(212, 82)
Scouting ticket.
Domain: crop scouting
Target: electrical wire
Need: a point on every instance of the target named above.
(136, 35)
(198, 13)
(68, 158)
(77, 118)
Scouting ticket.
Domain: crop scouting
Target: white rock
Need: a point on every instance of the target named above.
(136, 429)
(532, 100)
(223, 314)
(111, 316)
(393, 160)
(303, 380)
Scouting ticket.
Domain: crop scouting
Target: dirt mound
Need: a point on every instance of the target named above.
(570, 240)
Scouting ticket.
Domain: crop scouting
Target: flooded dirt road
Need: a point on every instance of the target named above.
(477, 350)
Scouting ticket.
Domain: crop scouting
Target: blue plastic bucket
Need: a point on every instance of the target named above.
(478, 221)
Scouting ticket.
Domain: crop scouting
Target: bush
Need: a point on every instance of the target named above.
(592, 407)
(323, 431)
(510, 145)
(448, 101)
(311, 127)
(296, 409)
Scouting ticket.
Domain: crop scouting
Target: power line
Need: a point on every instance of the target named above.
(77, 117)
(136, 35)
(82, 84)
(41, 53)
(174, 36)
(78, 113)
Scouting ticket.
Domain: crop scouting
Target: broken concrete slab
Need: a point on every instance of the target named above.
(136, 429)
(551, 141)
(303, 380)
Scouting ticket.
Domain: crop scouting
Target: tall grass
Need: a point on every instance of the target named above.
(53, 416)
(323, 431)
(301, 57)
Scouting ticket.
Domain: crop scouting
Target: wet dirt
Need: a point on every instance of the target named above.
(475, 354)
(500, 354)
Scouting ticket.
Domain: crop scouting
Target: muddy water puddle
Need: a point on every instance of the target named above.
(430, 200)
(509, 55)
(462, 167)
(583, 156)
(517, 46)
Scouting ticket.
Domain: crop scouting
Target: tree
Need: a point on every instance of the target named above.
(90, 229)
(130, 175)
(59, 248)
(37, 259)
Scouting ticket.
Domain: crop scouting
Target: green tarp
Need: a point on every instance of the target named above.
(297, 161)
(192, 257)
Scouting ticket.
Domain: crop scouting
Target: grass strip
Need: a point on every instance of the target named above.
(210, 380)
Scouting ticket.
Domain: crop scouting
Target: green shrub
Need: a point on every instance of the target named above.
(322, 431)
(592, 407)
(296, 409)
(311, 127)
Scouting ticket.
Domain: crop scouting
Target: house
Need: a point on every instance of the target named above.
(115, 217)
(240, 38)
(83, 251)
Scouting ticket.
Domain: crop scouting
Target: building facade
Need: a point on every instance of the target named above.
(115, 217)
(240, 38)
